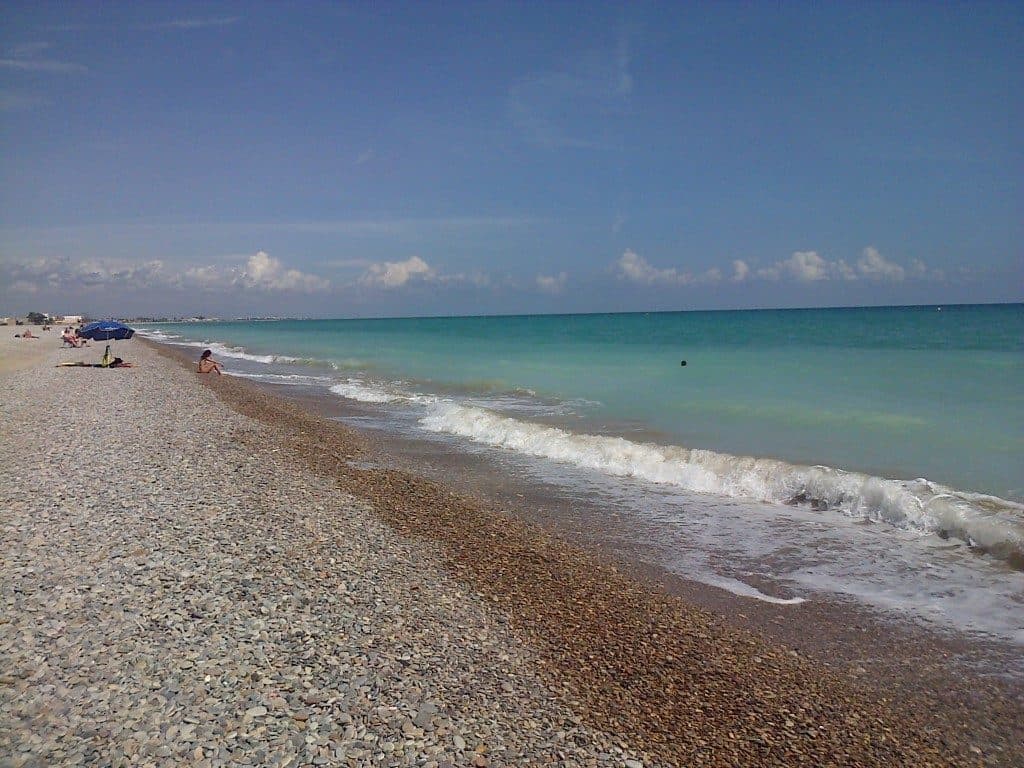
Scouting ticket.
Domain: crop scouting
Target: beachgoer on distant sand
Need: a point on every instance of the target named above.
(26, 335)
(69, 338)
(207, 364)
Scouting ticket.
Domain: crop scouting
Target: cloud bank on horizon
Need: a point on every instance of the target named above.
(521, 160)
(261, 273)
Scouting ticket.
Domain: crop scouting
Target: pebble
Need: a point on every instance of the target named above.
(201, 601)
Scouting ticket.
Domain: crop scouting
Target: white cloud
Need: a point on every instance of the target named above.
(805, 266)
(552, 284)
(62, 271)
(874, 266)
(635, 268)
(395, 274)
(843, 270)
(800, 266)
(260, 272)
(207, 278)
(810, 266)
(264, 272)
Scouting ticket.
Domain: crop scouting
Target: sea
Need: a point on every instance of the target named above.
(872, 455)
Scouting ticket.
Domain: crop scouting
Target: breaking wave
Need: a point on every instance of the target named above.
(361, 391)
(281, 378)
(354, 389)
(239, 353)
(988, 523)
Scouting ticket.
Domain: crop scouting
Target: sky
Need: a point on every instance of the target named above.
(397, 159)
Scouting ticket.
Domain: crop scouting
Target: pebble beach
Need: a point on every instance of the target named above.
(193, 572)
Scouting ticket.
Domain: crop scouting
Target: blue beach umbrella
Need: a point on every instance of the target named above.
(105, 330)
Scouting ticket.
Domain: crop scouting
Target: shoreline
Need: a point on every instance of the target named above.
(286, 503)
(849, 636)
(400, 496)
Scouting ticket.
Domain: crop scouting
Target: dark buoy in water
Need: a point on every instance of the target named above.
(683, 362)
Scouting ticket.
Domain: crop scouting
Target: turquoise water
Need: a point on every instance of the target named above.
(871, 453)
(903, 392)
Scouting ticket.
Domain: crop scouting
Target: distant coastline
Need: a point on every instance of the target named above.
(270, 319)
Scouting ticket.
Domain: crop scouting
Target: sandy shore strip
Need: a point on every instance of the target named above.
(187, 583)
(17, 353)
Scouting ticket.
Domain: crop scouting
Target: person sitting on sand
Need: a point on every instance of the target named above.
(69, 338)
(207, 364)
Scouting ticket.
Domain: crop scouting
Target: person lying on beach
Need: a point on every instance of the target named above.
(207, 364)
(25, 335)
(117, 362)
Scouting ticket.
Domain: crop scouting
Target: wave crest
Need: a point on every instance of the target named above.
(986, 522)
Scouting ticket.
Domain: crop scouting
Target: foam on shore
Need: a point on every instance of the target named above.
(991, 524)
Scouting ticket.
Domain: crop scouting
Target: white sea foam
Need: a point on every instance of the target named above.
(156, 334)
(223, 350)
(743, 589)
(367, 392)
(282, 378)
(992, 524)
(241, 354)
(355, 389)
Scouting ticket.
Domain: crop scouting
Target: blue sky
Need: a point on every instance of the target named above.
(465, 158)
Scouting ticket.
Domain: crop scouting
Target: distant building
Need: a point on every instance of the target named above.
(71, 319)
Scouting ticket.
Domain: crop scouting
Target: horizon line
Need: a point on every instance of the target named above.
(271, 318)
